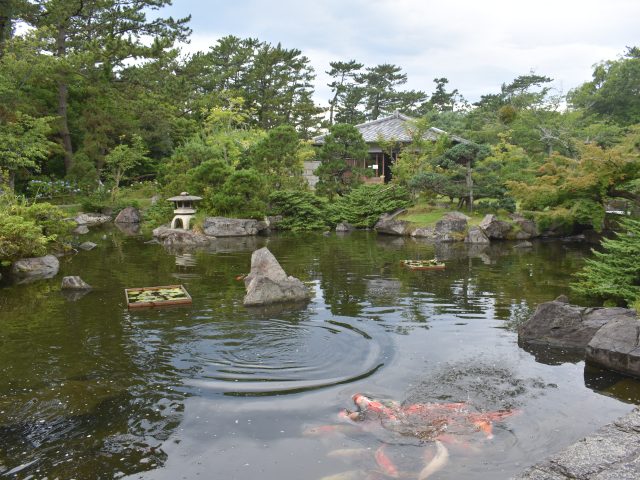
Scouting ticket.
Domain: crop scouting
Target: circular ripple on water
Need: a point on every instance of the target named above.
(275, 357)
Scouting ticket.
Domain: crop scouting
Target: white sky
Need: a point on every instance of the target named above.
(476, 44)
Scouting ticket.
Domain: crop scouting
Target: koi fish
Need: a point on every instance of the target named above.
(366, 404)
(240, 277)
(349, 453)
(329, 429)
(385, 463)
(439, 460)
(348, 475)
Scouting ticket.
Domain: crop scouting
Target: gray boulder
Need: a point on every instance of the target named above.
(35, 268)
(177, 237)
(477, 236)
(230, 227)
(81, 230)
(91, 219)
(155, 199)
(452, 227)
(273, 221)
(128, 215)
(526, 228)
(495, 229)
(267, 283)
(558, 324)
(88, 246)
(616, 345)
(388, 224)
(74, 283)
(428, 233)
(611, 453)
(344, 227)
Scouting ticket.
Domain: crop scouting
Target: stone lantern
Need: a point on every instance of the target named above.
(184, 210)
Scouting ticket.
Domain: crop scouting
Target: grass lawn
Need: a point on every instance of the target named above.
(423, 214)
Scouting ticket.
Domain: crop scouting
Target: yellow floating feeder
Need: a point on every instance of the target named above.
(432, 264)
(157, 296)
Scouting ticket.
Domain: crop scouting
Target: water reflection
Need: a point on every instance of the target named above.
(89, 389)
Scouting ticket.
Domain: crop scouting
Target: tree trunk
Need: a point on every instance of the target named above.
(470, 185)
(63, 99)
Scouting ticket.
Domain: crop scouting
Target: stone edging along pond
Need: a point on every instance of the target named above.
(611, 453)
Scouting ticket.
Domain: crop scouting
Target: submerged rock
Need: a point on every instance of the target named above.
(74, 283)
(267, 283)
(81, 230)
(87, 246)
(35, 268)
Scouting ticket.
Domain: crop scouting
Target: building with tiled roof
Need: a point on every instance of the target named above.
(397, 128)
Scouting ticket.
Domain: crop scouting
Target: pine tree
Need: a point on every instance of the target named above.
(613, 275)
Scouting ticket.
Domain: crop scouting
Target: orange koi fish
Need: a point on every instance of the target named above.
(385, 463)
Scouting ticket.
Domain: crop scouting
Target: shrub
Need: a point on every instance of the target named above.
(29, 230)
(242, 195)
(159, 214)
(20, 237)
(613, 275)
(300, 209)
(363, 205)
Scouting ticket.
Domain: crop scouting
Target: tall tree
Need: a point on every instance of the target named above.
(95, 39)
(343, 143)
(614, 92)
(344, 75)
(380, 84)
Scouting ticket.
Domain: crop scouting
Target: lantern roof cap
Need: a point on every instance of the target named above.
(184, 196)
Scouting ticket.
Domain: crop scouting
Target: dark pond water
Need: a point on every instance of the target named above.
(89, 389)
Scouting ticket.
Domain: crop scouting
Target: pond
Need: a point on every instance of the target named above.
(90, 389)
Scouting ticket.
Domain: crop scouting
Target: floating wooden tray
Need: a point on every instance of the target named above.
(422, 265)
(148, 300)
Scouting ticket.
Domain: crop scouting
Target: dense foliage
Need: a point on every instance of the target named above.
(29, 230)
(613, 274)
(96, 98)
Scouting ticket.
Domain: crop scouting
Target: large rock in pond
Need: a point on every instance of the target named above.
(74, 283)
(176, 237)
(452, 227)
(91, 219)
(388, 224)
(267, 283)
(344, 227)
(477, 236)
(495, 229)
(128, 215)
(558, 324)
(35, 268)
(616, 345)
(526, 228)
(232, 227)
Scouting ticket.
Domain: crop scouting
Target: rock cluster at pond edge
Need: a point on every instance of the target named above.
(609, 337)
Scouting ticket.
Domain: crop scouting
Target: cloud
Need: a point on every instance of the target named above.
(477, 45)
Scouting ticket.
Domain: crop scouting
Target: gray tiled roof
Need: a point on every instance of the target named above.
(395, 127)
